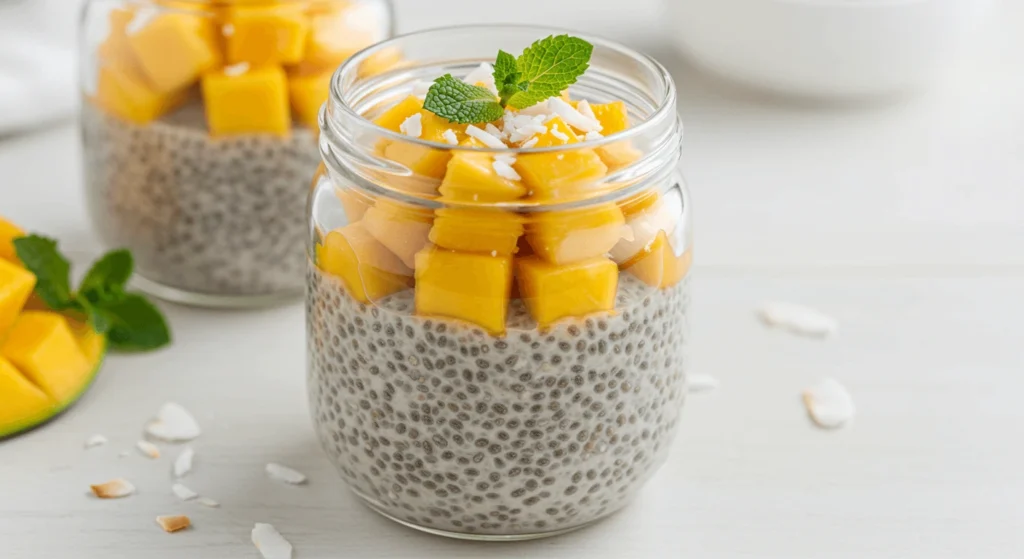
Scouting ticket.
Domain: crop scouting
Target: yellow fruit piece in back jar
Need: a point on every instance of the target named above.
(16, 285)
(659, 266)
(553, 292)
(115, 50)
(484, 231)
(339, 33)
(574, 235)
(464, 286)
(242, 100)
(614, 118)
(403, 229)
(308, 91)
(173, 49)
(43, 347)
(9, 232)
(266, 34)
(368, 269)
(124, 93)
(21, 402)
(562, 174)
(471, 177)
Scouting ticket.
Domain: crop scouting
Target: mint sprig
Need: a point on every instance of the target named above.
(544, 70)
(129, 321)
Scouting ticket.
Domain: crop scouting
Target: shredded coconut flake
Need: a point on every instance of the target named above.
(829, 404)
(584, 108)
(573, 117)
(413, 126)
(285, 474)
(559, 134)
(504, 170)
(270, 542)
(488, 139)
(172, 524)
(183, 463)
(593, 136)
(541, 108)
(228, 29)
(505, 158)
(421, 88)
(113, 489)
(493, 130)
(148, 449)
(183, 493)
(532, 142)
(95, 440)
(483, 74)
(798, 319)
(208, 502)
(698, 382)
(450, 137)
(173, 424)
(236, 69)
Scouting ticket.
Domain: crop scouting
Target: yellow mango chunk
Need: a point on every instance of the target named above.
(21, 402)
(470, 177)
(42, 346)
(368, 270)
(9, 232)
(16, 285)
(464, 286)
(571, 236)
(174, 50)
(354, 204)
(125, 94)
(308, 91)
(266, 35)
(422, 160)
(562, 174)
(333, 38)
(553, 292)
(614, 118)
(393, 118)
(659, 266)
(484, 231)
(250, 102)
(647, 216)
(401, 228)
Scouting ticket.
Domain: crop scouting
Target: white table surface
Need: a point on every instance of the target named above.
(906, 222)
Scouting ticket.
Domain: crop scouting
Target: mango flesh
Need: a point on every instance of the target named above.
(393, 118)
(368, 269)
(174, 50)
(464, 286)
(267, 35)
(401, 228)
(308, 90)
(553, 292)
(574, 235)
(9, 232)
(16, 285)
(125, 93)
(614, 118)
(477, 230)
(470, 177)
(422, 160)
(659, 266)
(563, 174)
(22, 403)
(255, 101)
(646, 218)
(42, 346)
(332, 39)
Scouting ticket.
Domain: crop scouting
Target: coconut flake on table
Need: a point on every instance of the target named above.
(173, 424)
(505, 170)
(573, 117)
(698, 382)
(175, 523)
(450, 137)
(183, 493)
(148, 449)
(285, 474)
(208, 502)
(270, 542)
(95, 440)
(483, 74)
(829, 404)
(798, 319)
(412, 126)
(113, 489)
(183, 463)
(486, 138)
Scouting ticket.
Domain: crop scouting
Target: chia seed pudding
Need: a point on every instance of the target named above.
(442, 425)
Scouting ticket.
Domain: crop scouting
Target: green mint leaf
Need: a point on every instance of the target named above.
(107, 278)
(549, 66)
(41, 257)
(460, 102)
(506, 76)
(135, 324)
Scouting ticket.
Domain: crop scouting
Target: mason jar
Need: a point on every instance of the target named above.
(484, 361)
(199, 126)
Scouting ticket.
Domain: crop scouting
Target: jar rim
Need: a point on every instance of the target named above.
(665, 108)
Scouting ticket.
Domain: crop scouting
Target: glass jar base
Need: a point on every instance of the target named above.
(214, 301)
(466, 536)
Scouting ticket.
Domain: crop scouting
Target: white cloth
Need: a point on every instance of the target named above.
(38, 81)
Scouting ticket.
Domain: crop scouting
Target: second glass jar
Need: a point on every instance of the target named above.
(199, 126)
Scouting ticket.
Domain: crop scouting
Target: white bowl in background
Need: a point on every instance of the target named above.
(825, 48)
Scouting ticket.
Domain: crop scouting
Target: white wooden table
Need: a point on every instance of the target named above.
(905, 222)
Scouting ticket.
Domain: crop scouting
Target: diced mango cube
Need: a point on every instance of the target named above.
(464, 286)
(553, 292)
(393, 118)
(9, 232)
(124, 93)
(16, 285)
(562, 174)
(647, 215)
(484, 231)
(308, 91)
(614, 118)
(251, 102)
(267, 34)
(659, 266)
(333, 38)
(354, 203)
(422, 160)
(368, 269)
(21, 402)
(174, 50)
(401, 228)
(574, 235)
(42, 346)
(470, 177)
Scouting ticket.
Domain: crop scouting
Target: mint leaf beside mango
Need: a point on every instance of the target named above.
(129, 321)
(544, 70)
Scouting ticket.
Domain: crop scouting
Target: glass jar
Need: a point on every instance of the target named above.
(199, 121)
(492, 358)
